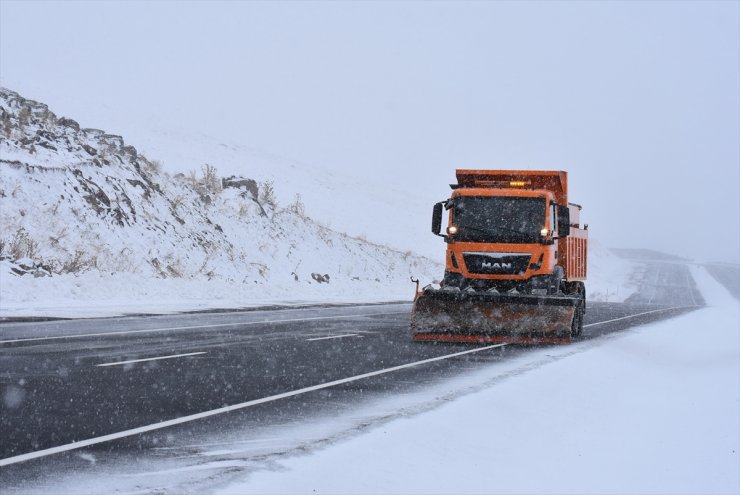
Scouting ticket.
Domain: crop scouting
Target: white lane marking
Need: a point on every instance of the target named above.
(337, 336)
(185, 419)
(631, 316)
(152, 359)
(167, 329)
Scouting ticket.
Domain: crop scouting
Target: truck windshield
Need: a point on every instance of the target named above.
(498, 219)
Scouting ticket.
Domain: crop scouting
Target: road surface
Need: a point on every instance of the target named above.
(67, 381)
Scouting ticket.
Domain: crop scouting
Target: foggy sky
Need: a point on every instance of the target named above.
(638, 101)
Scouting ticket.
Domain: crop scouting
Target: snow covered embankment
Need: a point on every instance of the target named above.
(651, 410)
(610, 278)
(102, 230)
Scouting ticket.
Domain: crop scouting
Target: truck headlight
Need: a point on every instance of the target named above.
(452, 230)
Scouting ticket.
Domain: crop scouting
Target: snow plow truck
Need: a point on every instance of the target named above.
(515, 262)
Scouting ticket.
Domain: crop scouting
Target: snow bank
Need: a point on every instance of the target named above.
(610, 278)
(95, 294)
(99, 294)
(654, 411)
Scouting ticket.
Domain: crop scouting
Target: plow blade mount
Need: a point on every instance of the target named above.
(460, 316)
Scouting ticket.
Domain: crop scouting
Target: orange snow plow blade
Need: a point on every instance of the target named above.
(483, 317)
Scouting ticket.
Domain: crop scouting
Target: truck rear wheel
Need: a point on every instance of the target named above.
(577, 289)
(582, 291)
(576, 328)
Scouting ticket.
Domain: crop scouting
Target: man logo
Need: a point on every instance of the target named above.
(497, 266)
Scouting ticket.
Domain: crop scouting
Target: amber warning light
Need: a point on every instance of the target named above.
(503, 183)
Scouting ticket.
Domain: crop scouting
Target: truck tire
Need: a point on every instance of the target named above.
(576, 328)
(576, 288)
(581, 287)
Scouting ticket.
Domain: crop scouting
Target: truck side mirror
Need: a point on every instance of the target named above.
(563, 221)
(437, 219)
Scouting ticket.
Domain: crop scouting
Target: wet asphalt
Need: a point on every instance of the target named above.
(61, 381)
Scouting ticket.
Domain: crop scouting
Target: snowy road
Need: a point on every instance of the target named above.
(72, 380)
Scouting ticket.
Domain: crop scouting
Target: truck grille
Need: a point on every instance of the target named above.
(497, 263)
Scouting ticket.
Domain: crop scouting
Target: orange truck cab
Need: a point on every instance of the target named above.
(515, 262)
(513, 231)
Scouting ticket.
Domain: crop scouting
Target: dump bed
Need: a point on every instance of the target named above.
(574, 247)
(554, 181)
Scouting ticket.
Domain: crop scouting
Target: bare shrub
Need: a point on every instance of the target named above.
(262, 269)
(192, 178)
(174, 267)
(53, 265)
(267, 194)
(211, 181)
(177, 201)
(325, 234)
(153, 167)
(22, 246)
(297, 206)
(80, 261)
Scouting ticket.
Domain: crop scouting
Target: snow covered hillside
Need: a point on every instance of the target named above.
(381, 210)
(100, 229)
(88, 218)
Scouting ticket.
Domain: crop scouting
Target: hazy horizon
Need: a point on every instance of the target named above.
(640, 102)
